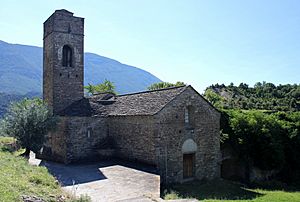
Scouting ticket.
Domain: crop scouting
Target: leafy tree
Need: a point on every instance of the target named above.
(243, 86)
(262, 125)
(258, 85)
(260, 138)
(213, 98)
(296, 93)
(91, 89)
(265, 140)
(28, 121)
(105, 87)
(161, 85)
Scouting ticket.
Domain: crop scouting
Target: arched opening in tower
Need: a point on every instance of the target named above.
(67, 56)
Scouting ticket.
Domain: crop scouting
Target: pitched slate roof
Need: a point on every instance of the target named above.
(141, 103)
(145, 103)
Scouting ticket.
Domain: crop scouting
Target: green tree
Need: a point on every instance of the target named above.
(90, 89)
(259, 137)
(161, 85)
(258, 85)
(213, 98)
(105, 87)
(28, 121)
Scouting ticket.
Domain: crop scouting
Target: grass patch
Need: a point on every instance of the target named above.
(7, 143)
(6, 140)
(223, 190)
(18, 178)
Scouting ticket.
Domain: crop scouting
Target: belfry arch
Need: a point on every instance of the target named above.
(67, 56)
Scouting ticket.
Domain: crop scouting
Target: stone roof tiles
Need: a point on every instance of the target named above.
(145, 103)
(135, 104)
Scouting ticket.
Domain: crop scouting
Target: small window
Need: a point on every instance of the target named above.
(89, 132)
(67, 56)
(186, 115)
(189, 116)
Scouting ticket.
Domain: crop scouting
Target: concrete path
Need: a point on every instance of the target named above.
(111, 183)
(107, 181)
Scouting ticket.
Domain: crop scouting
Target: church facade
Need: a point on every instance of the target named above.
(174, 129)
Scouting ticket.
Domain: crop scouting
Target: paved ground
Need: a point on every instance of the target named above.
(106, 181)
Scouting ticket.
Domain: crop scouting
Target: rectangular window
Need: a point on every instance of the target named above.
(189, 116)
(186, 115)
(89, 132)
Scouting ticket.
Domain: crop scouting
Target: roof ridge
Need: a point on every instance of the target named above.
(149, 91)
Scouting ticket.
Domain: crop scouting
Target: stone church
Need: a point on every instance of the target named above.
(174, 129)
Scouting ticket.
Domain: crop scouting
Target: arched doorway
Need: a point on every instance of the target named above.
(189, 149)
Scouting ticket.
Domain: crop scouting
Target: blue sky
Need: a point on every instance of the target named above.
(198, 42)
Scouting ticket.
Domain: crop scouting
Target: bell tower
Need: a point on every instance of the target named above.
(63, 60)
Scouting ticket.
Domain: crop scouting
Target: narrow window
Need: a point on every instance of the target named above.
(67, 56)
(186, 115)
(89, 132)
(189, 116)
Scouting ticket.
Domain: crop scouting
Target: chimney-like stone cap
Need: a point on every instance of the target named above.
(64, 12)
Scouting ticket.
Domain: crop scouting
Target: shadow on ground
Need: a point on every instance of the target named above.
(275, 185)
(88, 172)
(105, 181)
(218, 189)
(74, 174)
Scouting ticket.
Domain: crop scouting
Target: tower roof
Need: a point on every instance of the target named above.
(64, 11)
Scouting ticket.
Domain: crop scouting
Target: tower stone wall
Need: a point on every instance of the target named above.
(63, 59)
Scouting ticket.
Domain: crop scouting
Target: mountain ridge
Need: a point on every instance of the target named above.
(21, 71)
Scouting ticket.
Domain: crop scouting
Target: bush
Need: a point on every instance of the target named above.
(265, 140)
(28, 121)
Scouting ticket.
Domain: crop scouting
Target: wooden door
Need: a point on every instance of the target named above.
(188, 165)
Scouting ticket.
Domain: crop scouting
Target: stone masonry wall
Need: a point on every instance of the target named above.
(134, 138)
(55, 146)
(81, 144)
(172, 131)
(71, 141)
(62, 85)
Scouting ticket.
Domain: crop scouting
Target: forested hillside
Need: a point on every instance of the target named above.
(262, 125)
(263, 96)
